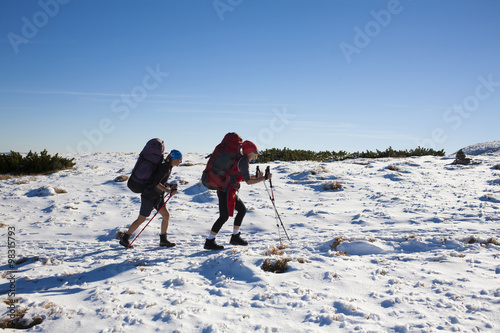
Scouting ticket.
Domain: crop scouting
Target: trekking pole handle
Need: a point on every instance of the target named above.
(268, 171)
(257, 172)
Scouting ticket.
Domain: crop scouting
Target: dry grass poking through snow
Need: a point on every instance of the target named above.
(393, 167)
(336, 242)
(121, 179)
(333, 186)
(18, 321)
(275, 251)
(276, 266)
(279, 265)
(60, 190)
(491, 240)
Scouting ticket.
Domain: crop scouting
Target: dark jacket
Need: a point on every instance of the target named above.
(161, 175)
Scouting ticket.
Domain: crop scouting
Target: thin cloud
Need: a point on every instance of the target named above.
(316, 125)
(160, 98)
(56, 92)
(211, 112)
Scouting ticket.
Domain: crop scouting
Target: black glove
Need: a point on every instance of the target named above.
(268, 171)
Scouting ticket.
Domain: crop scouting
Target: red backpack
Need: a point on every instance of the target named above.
(221, 160)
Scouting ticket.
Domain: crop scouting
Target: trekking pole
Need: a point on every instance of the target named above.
(150, 220)
(271, 196)
(267, 190)
(268, 171)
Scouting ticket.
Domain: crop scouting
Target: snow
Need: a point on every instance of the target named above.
(406, 250)
(485, 148)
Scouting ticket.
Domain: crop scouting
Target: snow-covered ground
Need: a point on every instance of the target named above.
(407, 245)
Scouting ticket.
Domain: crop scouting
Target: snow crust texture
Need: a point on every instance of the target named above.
(405, 245)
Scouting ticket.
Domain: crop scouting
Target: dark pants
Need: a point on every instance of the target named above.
(148, 203)
(224, 214)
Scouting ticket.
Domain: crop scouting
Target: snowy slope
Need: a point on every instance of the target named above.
(485, 148)
(410, 248)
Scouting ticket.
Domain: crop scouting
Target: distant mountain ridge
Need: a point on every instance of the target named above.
(485, 148)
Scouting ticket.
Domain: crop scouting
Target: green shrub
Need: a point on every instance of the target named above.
(33, 163)
(287, 155)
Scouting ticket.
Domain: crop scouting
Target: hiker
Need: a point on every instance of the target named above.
(153, 197)
(229, 199)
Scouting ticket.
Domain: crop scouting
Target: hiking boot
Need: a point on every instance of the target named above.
(125, 240)
(237, 240)
(165, 242)
(210, 244)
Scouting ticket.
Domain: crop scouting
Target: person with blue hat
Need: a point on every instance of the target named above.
(153, 197)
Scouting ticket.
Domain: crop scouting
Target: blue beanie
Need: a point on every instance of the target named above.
(175, 154)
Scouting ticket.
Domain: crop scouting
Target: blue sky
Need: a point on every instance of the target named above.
(91, 76)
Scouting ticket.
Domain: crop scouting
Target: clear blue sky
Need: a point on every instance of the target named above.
(97, 75)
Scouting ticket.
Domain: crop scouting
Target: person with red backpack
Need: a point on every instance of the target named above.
(153, 197)
(229, 199)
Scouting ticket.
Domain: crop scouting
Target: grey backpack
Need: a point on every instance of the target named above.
(149, 160)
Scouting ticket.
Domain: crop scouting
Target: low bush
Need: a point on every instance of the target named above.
(33, 163)
(286, 154)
